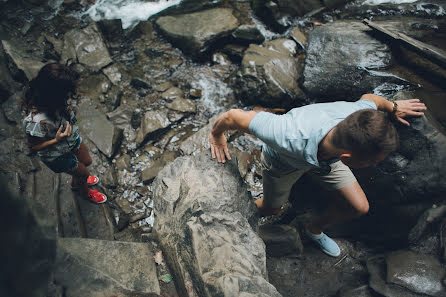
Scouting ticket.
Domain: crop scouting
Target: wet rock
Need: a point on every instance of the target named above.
(244, 162)
(109, 178)
(299, 37)
(93, 86)
(377, 270)
(235, 52)
(164, 86)
(111, 29)
(197, 32)
(278, 13)
(417, 272)
(247, 34)
(205, 228)
(152, 121)
(95, 125)
(428, 218)
(123, 162)
(269, 75)
(113, 73)
(148, 174)
(350, 291)
(199, 141)
(112, 98)
(343, 62)
(121, 116)
(173, 93)
(89, 267)
(182, 105)
(86, 46)
(7, 83)
(23, 60)
(138, 83)
(12, 109)
(281, 240)
(195, 93)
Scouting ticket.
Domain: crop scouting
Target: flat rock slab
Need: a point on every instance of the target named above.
(343, 62)
(23, 60)
(87, 46)
(152, 122)
(95, 125)
(417, 272)
(91, 267)
(204, 223)
(195, 33)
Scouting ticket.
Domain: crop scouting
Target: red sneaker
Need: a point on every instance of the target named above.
(96, 196)
(91, 181)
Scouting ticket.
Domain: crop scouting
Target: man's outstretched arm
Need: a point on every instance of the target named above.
(234, 119)
(411, 107)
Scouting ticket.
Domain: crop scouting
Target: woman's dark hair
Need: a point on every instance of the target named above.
(366, 133)
(49, 91)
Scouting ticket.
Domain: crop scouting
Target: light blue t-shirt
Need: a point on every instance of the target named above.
(291, 140)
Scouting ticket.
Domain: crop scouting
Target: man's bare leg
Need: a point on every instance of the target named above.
(350, 202)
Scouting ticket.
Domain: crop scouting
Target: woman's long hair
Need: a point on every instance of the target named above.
(49, 91)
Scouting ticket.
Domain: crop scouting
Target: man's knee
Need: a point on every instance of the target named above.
(362, 208)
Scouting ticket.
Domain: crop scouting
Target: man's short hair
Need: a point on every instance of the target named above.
(365, 133)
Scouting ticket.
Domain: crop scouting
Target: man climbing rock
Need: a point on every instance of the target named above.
(325, 140)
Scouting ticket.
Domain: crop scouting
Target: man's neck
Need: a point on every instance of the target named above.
(326, 149)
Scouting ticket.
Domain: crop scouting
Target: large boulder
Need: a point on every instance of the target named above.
(91, 267)
(269, 75)
(204, 222)
(22, 59)
(196, 33)
(7, 82)
(87, 47)
(344, 61)
(95, 125)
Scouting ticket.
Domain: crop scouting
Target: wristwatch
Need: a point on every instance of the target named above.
(395, 107)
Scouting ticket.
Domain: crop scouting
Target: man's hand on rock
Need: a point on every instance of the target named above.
(219, 147)
(411, 107)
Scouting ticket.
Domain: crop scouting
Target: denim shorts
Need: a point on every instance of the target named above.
(65, 163)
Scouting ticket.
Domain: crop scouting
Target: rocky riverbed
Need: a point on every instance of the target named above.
(151, 84)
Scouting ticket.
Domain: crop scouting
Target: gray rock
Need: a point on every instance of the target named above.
(113, 73)
(89, 267)
(7, 83)
(182, 105)
(248, 34)
(95, 125)
(377, 271)
(121, 116)
(12, 109)
(428, 218)
(281, 240)
(195, 33)
(24, 61)
(350, 291)
(277, 13)
(153, 121)
(123, 162)
(139, 83)
(172, 93)
(269, 75)
(205, 220)
(335, 3)
(148, 174)
(234, 51)
(343, 62)
(417, 272)
(164, 86)
(86, 46)
(199, 141)
(299, 37)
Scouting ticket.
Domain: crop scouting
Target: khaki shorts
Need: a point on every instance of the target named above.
(277, 183)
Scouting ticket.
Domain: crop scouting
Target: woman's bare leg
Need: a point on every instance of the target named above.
(83, 155)
(80, 175)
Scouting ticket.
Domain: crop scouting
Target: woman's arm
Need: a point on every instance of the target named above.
(37, 143)
(234, 119)
(404, 108)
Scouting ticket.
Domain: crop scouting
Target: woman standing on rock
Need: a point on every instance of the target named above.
(51, 130)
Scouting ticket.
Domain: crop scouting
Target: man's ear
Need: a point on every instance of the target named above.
(345, 155)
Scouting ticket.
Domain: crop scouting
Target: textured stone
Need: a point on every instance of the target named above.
(89, 267)
(417, 272)
(172, 93)
(23, 60)
(182, 105)
(248, 34)
(269, 75)
(196, 32)
(205, 220)
(149, 173)
(281, 240)
(153, 121)
(87, 46)
(299, 37)
(343, 62)
(95, 125)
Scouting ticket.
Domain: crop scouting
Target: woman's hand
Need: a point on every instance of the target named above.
(219, 147)
(60, 135)
(411, 107)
